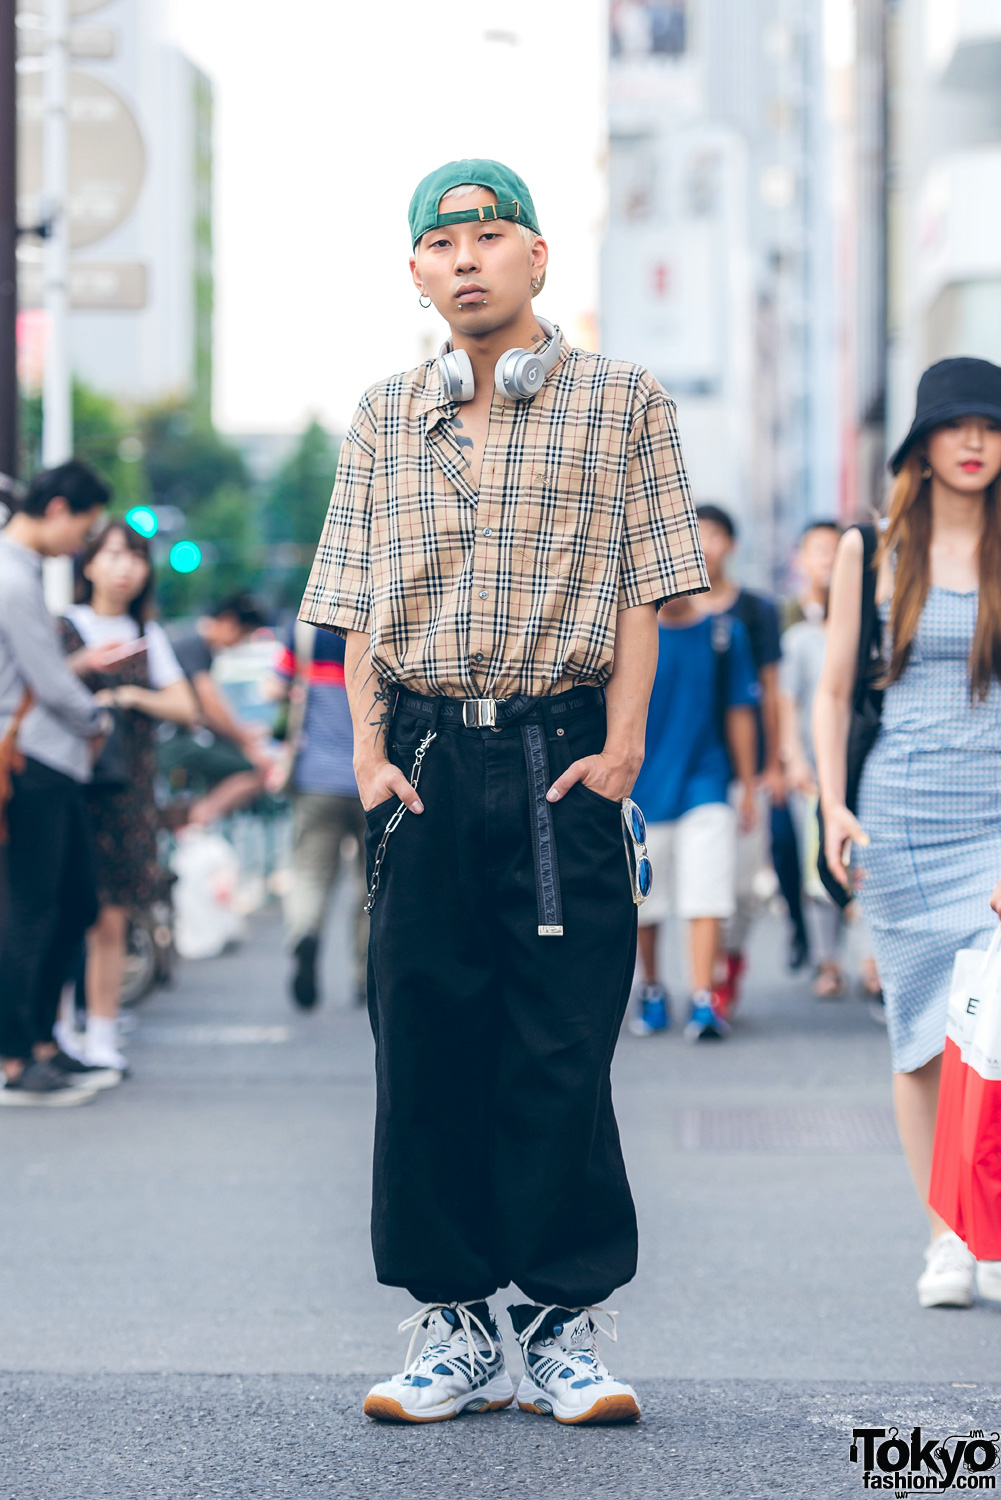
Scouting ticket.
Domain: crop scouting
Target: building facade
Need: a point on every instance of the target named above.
(944, 157)
(720, 265)
(141, 279)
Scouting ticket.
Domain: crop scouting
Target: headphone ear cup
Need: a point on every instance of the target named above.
(457, 375)
(518, 374)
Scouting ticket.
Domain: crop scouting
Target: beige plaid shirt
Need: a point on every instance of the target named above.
(583, 509)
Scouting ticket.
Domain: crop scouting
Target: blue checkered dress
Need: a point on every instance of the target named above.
(930, 801)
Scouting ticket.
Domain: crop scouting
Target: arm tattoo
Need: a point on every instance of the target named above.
(380, 711)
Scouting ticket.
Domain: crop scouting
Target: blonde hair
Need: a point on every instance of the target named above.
(528, 235)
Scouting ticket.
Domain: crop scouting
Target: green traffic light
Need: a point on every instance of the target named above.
(185, 557)
(143, 520)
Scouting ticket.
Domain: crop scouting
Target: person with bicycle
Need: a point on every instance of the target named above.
(142, 682)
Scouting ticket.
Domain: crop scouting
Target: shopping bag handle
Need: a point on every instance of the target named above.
(993, 950)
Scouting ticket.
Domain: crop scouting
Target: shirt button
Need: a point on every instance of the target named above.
(484, 594)
(488, 531)
(478, 656)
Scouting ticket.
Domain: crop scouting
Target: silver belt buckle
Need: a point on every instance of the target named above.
(479, 713)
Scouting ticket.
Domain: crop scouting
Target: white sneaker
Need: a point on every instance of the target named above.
(98, 1056)
(989, 1280)
(460, 1368)
(564, 1376)
(947, 1279)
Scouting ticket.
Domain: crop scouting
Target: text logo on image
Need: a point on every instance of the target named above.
(919, 1465)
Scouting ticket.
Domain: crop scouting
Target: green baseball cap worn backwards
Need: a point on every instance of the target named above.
(514, 201)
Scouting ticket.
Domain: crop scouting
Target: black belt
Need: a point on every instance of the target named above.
(533, 716)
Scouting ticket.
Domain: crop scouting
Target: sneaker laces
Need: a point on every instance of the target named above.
(525, 1338)
(466, 1317)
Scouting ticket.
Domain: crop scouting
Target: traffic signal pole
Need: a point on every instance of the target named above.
(8, 239)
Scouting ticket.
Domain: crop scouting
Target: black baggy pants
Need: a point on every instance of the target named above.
(497, 1155)
(51, 901)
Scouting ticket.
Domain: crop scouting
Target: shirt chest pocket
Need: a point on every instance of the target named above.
(560, 514)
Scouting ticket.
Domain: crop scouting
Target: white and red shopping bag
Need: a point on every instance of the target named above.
(966, 1167)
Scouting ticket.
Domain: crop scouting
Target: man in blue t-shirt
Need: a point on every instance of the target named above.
(701, 733)
(325, 806)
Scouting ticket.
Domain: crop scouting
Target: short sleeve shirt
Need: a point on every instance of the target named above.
(323, 760)
(193, 654)
(686, 763)
(98, 630)
(583, 508)
(803, 646)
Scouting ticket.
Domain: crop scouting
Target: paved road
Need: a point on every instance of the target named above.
(188, 1307)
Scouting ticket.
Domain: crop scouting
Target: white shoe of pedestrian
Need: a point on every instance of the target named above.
(564, 1376)
(947, 1279)
(461, 1368)
(989, 1280)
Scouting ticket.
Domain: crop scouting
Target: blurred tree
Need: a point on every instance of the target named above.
(185, 458)
(226, 525)
(295, 505)
(104, 435)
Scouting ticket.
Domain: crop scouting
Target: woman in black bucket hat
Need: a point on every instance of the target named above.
(927, 840)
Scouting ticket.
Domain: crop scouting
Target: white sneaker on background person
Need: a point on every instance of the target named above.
(460, 1368)
(989, 1280)
(947, 1279)
(564, 1376)
(100, 1044)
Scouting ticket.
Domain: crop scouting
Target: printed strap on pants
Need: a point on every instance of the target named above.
(535, 716)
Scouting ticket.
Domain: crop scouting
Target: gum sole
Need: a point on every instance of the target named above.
(608, 1409)
(385, 1409)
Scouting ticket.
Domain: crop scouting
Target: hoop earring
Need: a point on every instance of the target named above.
(421, 300)
(926, 470)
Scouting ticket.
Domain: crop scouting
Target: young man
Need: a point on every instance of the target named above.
(803, 646)
(814, 564)
(223, 752)
(504, 526)
(324, 796)
(760, 620)
(701, 707)
(52, 896)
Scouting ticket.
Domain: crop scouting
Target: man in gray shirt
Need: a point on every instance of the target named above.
(50, 876)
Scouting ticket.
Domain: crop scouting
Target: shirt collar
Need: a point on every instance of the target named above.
(433, 398)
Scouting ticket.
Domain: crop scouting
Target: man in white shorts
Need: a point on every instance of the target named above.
(701, 733)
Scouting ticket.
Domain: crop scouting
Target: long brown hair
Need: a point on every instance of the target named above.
(141, 607)
(908, 536)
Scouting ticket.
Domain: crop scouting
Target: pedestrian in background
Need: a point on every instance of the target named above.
(803, 645)
(144, 683)
(926, 845)
(220, 753)
(760, 619)
(51, 882)
(701, 734)
(326, 811)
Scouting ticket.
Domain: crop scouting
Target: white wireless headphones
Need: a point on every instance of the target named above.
(517, 374)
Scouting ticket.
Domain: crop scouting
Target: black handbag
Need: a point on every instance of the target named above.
(867, 703)
(111, 768)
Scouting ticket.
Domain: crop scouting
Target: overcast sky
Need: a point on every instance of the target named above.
(327, 115)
